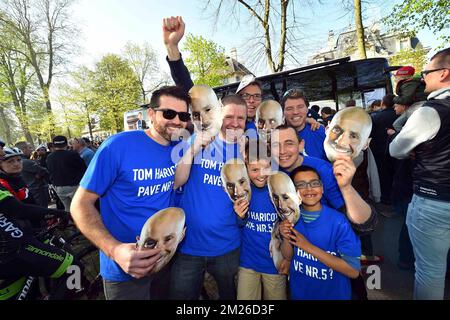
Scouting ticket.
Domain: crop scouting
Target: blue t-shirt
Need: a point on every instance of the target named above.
(331, 194)
(212, 227)
(250, 130)
(310, 279)
(134, 177)
(314, 141)
(256, 234)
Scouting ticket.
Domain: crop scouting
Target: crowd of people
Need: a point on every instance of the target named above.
(292, 153)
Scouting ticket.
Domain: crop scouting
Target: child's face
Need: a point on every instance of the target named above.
(309, 187)
(258, 172)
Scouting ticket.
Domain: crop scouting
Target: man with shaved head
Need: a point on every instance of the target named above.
(164, 230)
(268, 116)
(235, 180)
(348, 133)
(284, 197)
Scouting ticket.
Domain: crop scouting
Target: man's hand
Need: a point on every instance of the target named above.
(315, 125)
(241, 208)
(344, 169)
(173, 32)
(201, 141)
(138, 264)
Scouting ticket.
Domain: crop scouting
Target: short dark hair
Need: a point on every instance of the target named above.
(171, 91)
(388, 101)
(21, 145)
(294, 94)
(285, 126)
(315, 107)
(326, 110)
(376, 103)
(303, 169)
(442, 58)
(350, 103)
(256, 149)
(235, 99)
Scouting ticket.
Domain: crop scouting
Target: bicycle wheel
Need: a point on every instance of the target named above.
(91, 279)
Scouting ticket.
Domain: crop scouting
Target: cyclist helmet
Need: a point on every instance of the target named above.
(10, 152)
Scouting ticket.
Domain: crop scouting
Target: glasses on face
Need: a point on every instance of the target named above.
(311, 184)
(247, 96)
(170, 114)
(425, 72)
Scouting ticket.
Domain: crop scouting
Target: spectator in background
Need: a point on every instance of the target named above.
(89, 144)
(314, 112)
(34, 175)
(66, 170)
(41, 155)
(327, 115)
(427, 135)
(375, 106)
(381, 121)
(79, 145)
(350, 103)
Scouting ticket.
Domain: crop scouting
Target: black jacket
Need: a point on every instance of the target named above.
(66, 168)
(381, 121)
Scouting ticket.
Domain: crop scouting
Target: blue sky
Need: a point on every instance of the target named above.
(107, 25)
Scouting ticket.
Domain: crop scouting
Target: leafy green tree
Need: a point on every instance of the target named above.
(416, 58)
(415, 15)
(116, 90)
(206, 61)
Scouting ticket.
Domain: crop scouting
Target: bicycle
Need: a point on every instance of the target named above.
(36, 288)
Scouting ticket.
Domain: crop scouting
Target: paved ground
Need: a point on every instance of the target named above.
(395, 283)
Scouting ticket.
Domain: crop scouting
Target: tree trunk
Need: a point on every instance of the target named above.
(6, 126)
(360, 31)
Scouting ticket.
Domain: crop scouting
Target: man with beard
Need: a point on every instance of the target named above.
(214, 237)
(133, 174)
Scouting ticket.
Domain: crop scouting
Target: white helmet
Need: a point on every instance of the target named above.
(11, 152)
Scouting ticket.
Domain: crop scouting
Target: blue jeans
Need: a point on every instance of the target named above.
(428, 223)
(188, 273)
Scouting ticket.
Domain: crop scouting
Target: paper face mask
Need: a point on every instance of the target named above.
(284, 197)
(268, 116)
(206, 109)
(348, 133)
(235, 180)
(164, 230)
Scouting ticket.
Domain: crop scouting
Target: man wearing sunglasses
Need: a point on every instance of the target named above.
(426, 134)
(133, 175)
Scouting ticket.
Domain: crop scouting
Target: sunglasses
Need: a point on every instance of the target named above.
(425, 72)
(170, 114)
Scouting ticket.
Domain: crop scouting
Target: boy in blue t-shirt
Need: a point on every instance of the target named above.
(323, 248)
(256, 268)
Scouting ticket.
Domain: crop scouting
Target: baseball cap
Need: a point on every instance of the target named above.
(59, 141)
(247, 80)
(405, 71)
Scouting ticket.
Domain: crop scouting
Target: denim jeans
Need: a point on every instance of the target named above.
(428, 223)
(405, 250)
(188, 273)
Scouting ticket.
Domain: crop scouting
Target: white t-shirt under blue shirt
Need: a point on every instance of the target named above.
(212, 225)
(134, 177)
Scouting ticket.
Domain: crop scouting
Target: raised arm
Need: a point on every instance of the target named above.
(173, 32)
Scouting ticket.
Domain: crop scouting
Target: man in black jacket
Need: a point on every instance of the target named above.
(427, 135)
(66, 170)
(381, 121)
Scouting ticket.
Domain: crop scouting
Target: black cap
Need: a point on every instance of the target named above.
(59, 141)
(2, 144)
